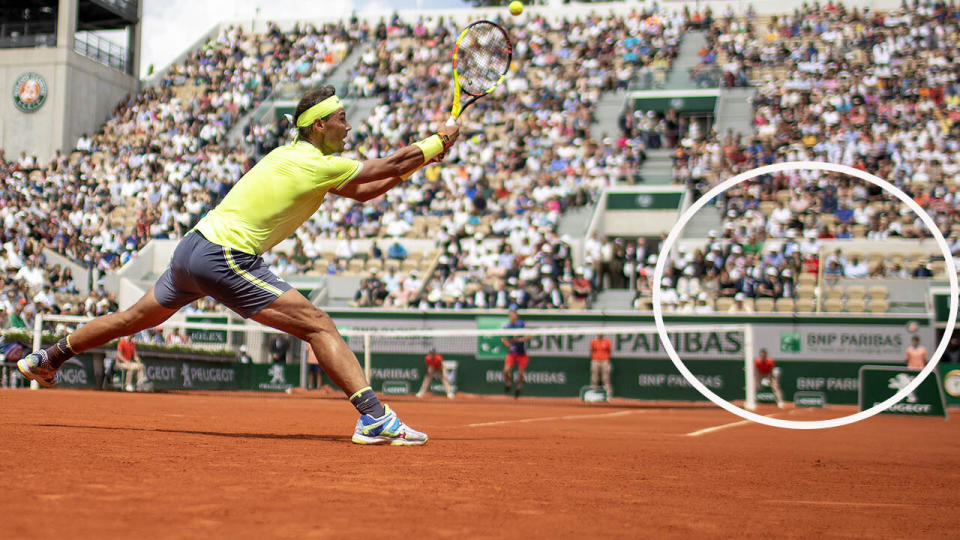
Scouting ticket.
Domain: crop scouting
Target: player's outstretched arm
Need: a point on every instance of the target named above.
(408, 158)
(380, 175)
(369, 190)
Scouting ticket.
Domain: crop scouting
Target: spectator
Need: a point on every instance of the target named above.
(397, 251)
(740, 304)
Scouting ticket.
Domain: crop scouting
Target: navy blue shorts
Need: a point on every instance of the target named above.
(199, 268)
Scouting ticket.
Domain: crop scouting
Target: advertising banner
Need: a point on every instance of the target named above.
(166, 374)
(876, 344)
(77, 372)
(197, 335)
(271, 377)
(878, 383)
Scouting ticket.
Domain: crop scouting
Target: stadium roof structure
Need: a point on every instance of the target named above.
(92, 14)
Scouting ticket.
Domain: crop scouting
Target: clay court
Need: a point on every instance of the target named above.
(111, 465)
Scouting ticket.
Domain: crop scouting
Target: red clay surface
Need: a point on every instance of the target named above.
(83, 464)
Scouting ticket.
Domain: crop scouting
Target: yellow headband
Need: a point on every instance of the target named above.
(320, 110)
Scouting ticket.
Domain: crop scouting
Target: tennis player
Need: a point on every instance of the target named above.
(221, 257)
(516, 354)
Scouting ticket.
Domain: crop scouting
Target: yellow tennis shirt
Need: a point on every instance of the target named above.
(275, 197)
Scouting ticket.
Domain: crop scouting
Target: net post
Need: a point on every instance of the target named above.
(37, 342)
(366, 356)
(304, 353)
(750, 401)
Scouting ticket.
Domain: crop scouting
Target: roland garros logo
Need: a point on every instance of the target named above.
(29, 92)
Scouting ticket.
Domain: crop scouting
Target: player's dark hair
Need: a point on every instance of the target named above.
(308, 100)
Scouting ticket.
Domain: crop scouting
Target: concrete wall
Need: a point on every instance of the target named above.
(81, 94)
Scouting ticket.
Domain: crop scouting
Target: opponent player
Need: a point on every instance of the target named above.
(221, 256)
(765, 369)
(516, 354)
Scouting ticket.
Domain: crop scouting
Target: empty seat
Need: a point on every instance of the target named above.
(856, 305)
(878, 292)
(878, 306)
(355, 266)
(805, 305)
(807, 279)
(833, 293)
(784, 305)
(856, 292)
(764, 305)
(805, 291)
(723, 304)
(833, 305)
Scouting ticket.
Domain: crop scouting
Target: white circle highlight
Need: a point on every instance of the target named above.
(793, 166)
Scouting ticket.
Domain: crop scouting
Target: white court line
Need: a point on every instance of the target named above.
(545, 418)
(845, 503)
(704, 431)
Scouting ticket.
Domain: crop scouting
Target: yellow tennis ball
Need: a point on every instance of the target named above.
(516, 7)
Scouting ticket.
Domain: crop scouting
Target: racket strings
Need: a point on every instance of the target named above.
(483, 57)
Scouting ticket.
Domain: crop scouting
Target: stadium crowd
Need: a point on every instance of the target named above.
(873, 91)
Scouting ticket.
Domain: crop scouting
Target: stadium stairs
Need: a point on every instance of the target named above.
(657, 170)
(575, 221)
(606, 122)
(688, 57)
(735, 110)
(705, 220)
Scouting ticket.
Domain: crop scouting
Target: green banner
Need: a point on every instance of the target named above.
(77, 372)
(271, 377)
(192, 374)
(681, 104)
(197, 335)
(491, 347)
(878, 383)
(941, 307)
(660, 380)
(658, 200)
(838, 382)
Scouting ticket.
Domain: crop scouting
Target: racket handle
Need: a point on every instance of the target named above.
(451, 121)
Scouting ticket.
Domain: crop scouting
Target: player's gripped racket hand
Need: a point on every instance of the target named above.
(449, 133)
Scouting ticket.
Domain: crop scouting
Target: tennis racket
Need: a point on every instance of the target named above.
(481, 59)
